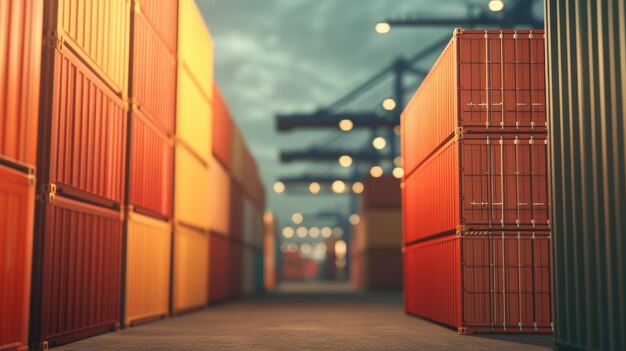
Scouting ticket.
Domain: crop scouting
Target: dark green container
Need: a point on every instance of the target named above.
(586, 51)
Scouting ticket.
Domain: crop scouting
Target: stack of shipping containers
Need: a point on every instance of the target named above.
(81, 165)
(270, 251)
(236, 211)
(376, 257)
(192, 155)
(477, 235)
(151, 124)
(109, 105)
(20, 55)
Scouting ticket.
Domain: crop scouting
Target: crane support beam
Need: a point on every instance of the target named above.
(325, 119)
(330, 155)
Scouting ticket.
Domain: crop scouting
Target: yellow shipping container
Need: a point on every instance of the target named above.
(380, 228)
(191, 189)
(219, 206)
(194, 115)
(195, 46)
(148, 252)
(98, 30)
(237, 161)
(191, 269)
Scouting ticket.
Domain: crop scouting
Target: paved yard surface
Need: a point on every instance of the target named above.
(305, 317)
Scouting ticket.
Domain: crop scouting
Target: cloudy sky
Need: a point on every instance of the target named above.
(276, 56)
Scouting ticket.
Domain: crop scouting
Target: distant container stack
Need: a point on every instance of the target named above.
(376, 242)
(150, 176)
(270, 251)
(20, 62)
(475, 193)
(236, 211)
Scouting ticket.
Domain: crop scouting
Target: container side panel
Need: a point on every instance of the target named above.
(82, 259)
(382, 228)
(195, 46)
(236, 211)
(163, 18)
(222, 128)
(147, 267)
(17, 197)
(151, 162)
(219, 190)
(235, 270)
(153, 74)
(194, 115)
(432, 196)
(99, 31)
(20, 67)
(238, 149)
(191, 194)
(219, 268)
(433, 278)
(191, 269)
(87, 132)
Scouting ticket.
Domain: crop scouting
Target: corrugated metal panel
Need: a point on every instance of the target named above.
(222, 128)
(83, 131)
(17, 200)
(238, 149)
(98, 30)
(259, 272)
(249, 222)
(236, 211)
(190, 272)
(484, 81)
(153, 69)
(247, 271)
(380, 228)
(586, 93)
(20, 65)
(219, 190)
(148, 252)
(77, 271)
(193, 116)
(191, 190)
(195, 47)
(234, 269)
(482, 282)
(150, 176)
(219, 279)
(163, 17)
(481, 182)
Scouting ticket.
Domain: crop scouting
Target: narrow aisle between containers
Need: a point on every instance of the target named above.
(305, 316)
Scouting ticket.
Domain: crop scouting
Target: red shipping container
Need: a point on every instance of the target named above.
(381, 192)
(162, 15)
(484, 81)
(222, 128)
(482, 281)
(219, 263)
(20, 67)
(234, 269)
(151, 163)
(236, 211)
(153, 67)
(77, 271)
(83, 132)
(479, 182)
(17, 207)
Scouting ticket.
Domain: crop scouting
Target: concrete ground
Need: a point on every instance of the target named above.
(305, 317)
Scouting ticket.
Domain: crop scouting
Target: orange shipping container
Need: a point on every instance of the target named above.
(380, 228)
(20, 65)
(148, 251)
(219, 190)
(269, 251)
(191, 189)
(237, 161)
(163, 17)
(97, 30)
(17, 197)
(191, 269)
(153, 67)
